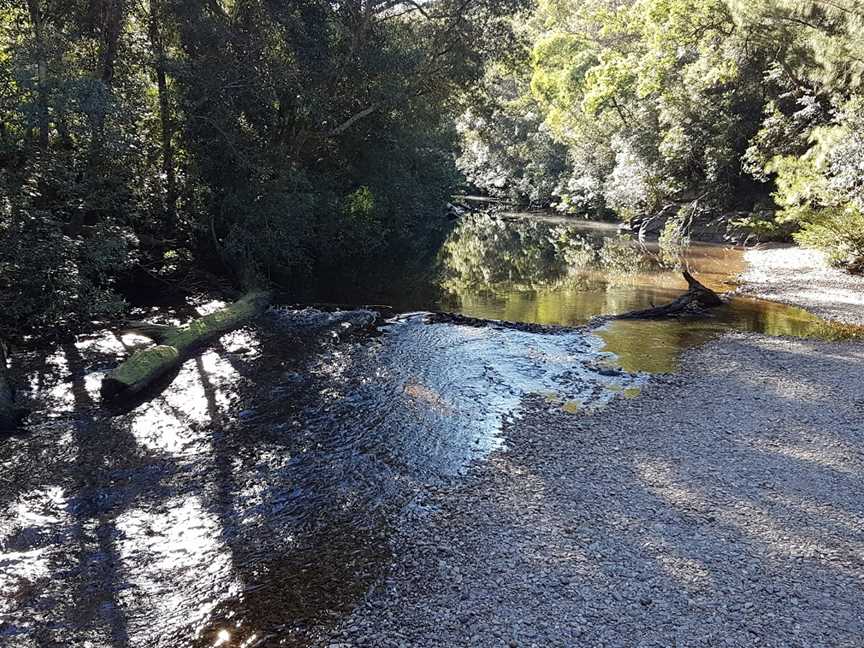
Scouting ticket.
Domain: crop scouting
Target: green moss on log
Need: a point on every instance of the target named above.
(147, 365)
(143, 367)
(221, 321)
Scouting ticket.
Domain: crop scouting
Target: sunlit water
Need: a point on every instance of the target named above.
(545, 271)
(250, 502)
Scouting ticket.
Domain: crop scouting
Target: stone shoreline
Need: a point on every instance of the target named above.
(724, 507)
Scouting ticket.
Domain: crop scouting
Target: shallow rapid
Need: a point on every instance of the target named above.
(249, 503)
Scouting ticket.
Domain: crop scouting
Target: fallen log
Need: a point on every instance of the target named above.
(173, 344)
(694, 302)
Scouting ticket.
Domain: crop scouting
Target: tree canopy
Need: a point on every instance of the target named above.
(722, 106)
(259, 139)
(269, 141)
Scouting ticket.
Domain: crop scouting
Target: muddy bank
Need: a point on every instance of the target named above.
(801, 277)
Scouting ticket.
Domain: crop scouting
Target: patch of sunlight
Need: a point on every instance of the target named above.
(200, 393)
(690, 573)
(222, 637)
(821, 456)
(242, 341)
(103, 344)
(22, 567)
(93, 384)
(572, 406)
(175, 557)
(157, 427)
(751, 520)
(131, 341)
(210, 307)
(26, 518)
(660, 478)
(40, 507)
(58, 397)
(220, 374)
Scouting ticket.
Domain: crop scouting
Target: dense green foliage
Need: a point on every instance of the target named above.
(263, 140)
(748, 111)
(282, 142)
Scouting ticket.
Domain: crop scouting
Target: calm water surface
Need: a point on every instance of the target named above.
(250, 502)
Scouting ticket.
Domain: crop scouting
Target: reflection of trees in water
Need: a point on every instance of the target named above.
(489, 254)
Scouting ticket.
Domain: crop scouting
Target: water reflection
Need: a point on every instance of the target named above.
(549, 272)
(563, 273)
(655, 345)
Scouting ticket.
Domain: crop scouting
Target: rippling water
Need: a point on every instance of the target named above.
(250, 502)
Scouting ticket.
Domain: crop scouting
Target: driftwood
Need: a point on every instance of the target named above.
(173, 344)
(694, 302)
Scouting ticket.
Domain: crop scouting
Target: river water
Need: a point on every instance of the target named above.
(250, 502)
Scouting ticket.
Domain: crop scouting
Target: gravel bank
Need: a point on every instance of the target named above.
(798, 276)
(723, 507)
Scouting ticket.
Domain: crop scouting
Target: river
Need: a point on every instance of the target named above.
(250, 503)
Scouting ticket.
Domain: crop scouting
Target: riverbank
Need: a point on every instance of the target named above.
(798, 276)
(724, 507)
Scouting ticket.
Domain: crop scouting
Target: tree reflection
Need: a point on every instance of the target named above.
(537, 270)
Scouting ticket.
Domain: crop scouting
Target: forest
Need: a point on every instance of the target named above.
(259, 142)
(397, 323)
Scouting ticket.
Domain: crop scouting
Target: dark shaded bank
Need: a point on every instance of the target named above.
(725, 507)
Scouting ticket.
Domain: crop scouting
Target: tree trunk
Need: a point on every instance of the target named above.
(174, 344)
(694, 302)
(164, 111)
(112, 27)
(10, 415)
(36, 19)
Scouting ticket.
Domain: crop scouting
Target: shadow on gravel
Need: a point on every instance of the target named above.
(724, 507)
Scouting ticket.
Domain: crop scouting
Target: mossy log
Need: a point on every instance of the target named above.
(146, 366)
(694, 302)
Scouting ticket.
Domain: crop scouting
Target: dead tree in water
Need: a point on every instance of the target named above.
(694, 302)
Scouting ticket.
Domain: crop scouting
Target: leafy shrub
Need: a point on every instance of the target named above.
(839, 233)
(49, 279)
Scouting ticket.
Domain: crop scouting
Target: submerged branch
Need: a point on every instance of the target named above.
(694, 302)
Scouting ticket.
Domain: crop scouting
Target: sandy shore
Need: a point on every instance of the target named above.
(724, 507)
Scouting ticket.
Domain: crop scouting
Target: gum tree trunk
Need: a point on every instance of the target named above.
(167, 124)
(37, 22)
